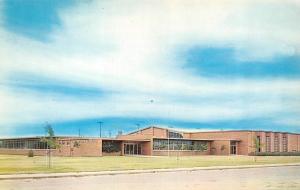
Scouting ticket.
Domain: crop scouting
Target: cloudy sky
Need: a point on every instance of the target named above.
(204, 64)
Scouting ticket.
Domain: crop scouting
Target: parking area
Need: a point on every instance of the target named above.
(274, 178)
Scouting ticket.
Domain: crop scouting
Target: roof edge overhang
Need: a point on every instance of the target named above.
(198, 139)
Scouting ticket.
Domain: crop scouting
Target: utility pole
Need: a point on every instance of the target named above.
(168, 143)
(151, 121)
(79, 132)
(100, 128)
(138, 127)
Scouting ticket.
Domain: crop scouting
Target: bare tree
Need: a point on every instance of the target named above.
(257, 145)
(51, 142)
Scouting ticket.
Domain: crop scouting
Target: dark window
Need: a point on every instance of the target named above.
(175, 135)
(233, 147)
(258, 144)
(111, 146)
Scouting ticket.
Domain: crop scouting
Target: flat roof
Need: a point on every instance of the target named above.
(139, 140)
(187, 139)
(77, 138)
(213, 131)
(246, 130)
(39, 137)
(170, 129)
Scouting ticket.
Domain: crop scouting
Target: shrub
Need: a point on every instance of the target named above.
(30, 153)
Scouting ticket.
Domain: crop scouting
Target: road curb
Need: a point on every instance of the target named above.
(85, 174)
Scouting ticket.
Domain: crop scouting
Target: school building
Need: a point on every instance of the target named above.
(159, 141)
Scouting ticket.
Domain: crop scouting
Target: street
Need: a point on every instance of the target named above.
(274, 178)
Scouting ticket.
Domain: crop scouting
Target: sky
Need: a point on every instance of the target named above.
(198, 65)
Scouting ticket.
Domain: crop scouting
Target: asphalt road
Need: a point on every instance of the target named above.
(287, 178)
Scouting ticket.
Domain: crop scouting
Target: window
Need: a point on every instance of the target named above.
(268, 144)
(258, 144)
(23, 144)
(160, 144)
(284, 143)
(133, 148)
(276, 143)
(111, 146)
(233, 147)
(175, 135)
(200, 145)
(178, 144)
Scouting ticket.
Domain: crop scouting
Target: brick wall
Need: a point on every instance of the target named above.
(220, 147)
(40, 152)
(147, 133)
(87, 147)
(243, 146)
(146, 148)
(293, 142)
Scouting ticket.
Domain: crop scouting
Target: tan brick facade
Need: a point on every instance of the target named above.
(142, 142)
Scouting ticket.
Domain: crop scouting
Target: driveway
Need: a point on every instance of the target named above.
(287, 177)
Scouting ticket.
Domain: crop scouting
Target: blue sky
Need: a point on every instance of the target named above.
(222, 62)
(73, 63)
(33, 18)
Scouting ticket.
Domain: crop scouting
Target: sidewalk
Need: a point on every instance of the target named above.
(84, 174)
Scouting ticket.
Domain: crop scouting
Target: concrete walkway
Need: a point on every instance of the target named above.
(83, 174)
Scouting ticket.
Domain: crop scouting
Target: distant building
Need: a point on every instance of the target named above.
(158, 141)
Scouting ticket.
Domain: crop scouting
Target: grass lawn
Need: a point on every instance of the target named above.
(22, 164)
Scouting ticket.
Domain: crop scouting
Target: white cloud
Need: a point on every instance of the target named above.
(128, 48)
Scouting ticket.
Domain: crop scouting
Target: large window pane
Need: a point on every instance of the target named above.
(111, 146)
(162, 144)
(23, 144)
(175, 135)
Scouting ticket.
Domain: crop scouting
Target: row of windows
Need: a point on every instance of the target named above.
(175, 135)
(67, 142)
(284, 144)
(164, 144)
(23, 144)
(268, 144)
(276, 143)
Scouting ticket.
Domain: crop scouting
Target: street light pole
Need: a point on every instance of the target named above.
(151, 121)
(100, 128)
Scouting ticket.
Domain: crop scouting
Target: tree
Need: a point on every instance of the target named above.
(223, 147)
(76, 144)
(51, 142)
(257, 145)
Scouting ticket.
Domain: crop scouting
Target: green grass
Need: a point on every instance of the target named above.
(10, 164)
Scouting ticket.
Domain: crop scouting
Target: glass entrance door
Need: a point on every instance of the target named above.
(233, 147)
(132, 149)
